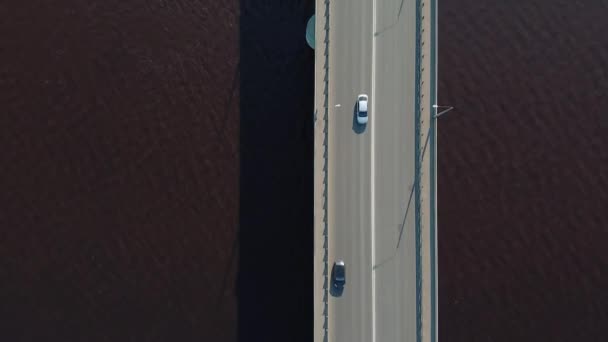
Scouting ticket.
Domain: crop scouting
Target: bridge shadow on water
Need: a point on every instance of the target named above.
(275, 275)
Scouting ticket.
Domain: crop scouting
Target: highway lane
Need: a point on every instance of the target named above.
(394, 129)
(372, 50)
(350, 316)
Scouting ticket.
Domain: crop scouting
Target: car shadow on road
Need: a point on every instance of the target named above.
(275, 272)
(357, 128)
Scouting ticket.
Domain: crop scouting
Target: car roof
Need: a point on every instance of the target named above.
(362, 98)
(363, 106)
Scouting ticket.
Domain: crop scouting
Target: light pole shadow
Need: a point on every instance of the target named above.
(376, 34)
(409, 202)
(383, 262)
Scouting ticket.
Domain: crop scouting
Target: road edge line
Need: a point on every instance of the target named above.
(373, 173)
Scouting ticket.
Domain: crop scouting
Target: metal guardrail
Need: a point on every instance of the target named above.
(433, 161)
(429, 137)
(325, 169)
(417, 171)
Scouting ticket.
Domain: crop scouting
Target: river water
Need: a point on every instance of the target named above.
(523, 165)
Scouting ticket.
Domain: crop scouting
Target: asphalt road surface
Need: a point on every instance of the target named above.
(371, 170)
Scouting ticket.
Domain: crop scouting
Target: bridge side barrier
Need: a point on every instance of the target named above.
(418, 169)
(321, 157)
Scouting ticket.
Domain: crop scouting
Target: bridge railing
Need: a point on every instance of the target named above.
(418, 169)
(322, 13)
(425, 144)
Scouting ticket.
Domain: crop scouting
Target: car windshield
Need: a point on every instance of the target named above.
(364, 114)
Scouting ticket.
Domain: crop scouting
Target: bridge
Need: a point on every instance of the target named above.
(375, 184)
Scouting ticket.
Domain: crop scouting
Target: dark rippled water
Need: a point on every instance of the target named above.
(523, 168)
(157, 171)
(119, 170)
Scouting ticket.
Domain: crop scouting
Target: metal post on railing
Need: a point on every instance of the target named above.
(447, 109)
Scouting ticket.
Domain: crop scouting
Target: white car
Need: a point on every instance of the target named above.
(362, 109)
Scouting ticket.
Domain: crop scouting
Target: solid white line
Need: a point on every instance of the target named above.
(373, 172)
